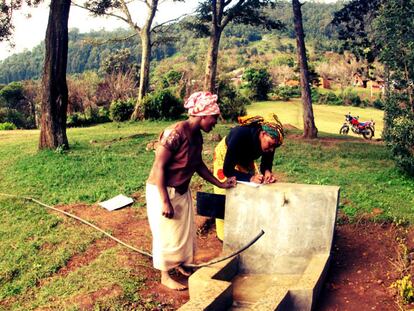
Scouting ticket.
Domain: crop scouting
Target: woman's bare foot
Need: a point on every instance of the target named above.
(169, 282)
(183, 271)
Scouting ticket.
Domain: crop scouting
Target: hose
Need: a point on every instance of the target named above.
(193, 266)
(220, 259)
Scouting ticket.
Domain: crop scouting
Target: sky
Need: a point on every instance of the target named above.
(29, 32)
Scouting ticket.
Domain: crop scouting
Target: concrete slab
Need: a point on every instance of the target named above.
(285, 268)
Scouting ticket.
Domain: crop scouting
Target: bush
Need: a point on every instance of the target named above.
(121, 110)
(162, 105)
(7, 126)
(378, 103)
(399, 132)
(351, 98)
(171, 78)
(287, 92)
(12, 116)
(258, 83)
(12, 94)
(91, 116)
(315, 95)
(329, 98)
(232, 104)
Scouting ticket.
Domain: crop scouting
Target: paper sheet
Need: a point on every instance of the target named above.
(116, 202)
(248, 183)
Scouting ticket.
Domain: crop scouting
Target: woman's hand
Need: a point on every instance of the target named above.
(167, 210)
(229, 183)
(258, 178)
(269, 178)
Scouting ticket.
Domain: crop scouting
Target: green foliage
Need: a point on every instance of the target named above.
(353, 25)
(286, 92)
(121, 110)
(86, 53)
(283, 59)
(351, 98)
(162, 105)
(394, 32)
(258, 83)
(92, 115)
(330, 98)
(12, 116)
(171, 78)
(231, 102)
(378, 103)
(11, 94)
(7, 126)
(120, 61)
(405, 288)
(399, 132)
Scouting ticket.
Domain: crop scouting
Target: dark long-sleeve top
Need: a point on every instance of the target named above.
(243, 147)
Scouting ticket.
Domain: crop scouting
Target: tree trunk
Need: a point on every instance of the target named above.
(145, 34)
(145, 71)
(211, 65)
(309, 128)
(54, 87)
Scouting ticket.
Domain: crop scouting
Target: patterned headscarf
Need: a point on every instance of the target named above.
(274, 128)
(202, 104)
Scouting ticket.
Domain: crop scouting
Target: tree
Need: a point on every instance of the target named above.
(7, 7)
(258, 82)
(309, 128)
(394, 33)
(121, 10)
(54, 87)
(214, 15)
(353, 24)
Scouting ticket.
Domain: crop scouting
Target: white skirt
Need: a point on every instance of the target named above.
(173, 240)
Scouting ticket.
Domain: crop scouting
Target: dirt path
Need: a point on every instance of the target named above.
(364, 262)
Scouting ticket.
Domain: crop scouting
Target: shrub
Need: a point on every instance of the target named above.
(399, 131)
(171, 78)
(365, 103)
(378, 103)
(162, 105)
(231, 102)
(351, 98)
(121, 110)
(92, 115)
(7, 126)
(12, 116)
(287, 92)
(330, 98)
(12, 94)
(315, 95)
(258, 83)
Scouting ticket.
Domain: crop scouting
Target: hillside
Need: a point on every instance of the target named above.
(88, 50)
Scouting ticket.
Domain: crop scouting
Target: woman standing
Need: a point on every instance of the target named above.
(234, 156)
(169, 203)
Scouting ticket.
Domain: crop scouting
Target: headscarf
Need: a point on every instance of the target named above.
(273, 128)
(202, 104)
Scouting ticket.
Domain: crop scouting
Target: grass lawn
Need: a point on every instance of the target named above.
(109, 159)
(328, 119)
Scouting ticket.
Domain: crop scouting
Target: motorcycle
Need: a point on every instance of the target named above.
(366, 129)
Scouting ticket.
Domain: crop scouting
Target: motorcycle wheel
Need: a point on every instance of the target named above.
(344, 130)
(368, 133)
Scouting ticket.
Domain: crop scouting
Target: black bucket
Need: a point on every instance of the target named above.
(211, 204)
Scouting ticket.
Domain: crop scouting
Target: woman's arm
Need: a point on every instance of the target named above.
(162, 157)
(236, 142)
(205, 173)
(266, 167)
